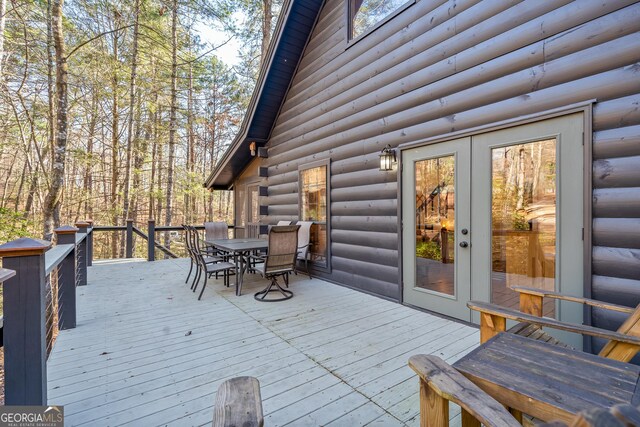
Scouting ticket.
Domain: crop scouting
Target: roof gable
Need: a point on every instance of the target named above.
(292, 33)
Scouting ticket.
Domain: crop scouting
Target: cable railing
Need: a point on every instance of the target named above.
(39, 282)
(39, 299)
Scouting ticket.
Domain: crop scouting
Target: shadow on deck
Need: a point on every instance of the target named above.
(146, 352)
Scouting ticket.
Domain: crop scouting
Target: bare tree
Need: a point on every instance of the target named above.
(172, 115)
(132, 99)
(54, 196)
(266, 29)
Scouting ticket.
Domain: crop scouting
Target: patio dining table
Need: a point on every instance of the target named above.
(240, 249)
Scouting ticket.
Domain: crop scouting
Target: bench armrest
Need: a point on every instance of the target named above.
(238, 403)
(555, 295)
(437, 376)
(492, 322)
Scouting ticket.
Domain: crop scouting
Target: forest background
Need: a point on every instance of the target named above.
(116, 109)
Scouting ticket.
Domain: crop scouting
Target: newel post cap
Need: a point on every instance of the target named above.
(83, 224)
(24, 246)
(66, 229)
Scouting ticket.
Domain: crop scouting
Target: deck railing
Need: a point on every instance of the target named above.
(39, 298)
(153, 243)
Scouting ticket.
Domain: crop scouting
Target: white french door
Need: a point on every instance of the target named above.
(499, 209)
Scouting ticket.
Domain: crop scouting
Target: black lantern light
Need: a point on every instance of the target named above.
(387, 158)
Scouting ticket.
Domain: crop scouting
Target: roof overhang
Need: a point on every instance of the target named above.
(291, 35)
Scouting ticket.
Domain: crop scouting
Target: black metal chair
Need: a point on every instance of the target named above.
(192, 257)
(279, 261)
(205, 264)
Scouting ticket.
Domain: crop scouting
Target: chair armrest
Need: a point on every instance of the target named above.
(238, 403)
(451, 385)
(497, 312)
(555, 295)
(258, 257)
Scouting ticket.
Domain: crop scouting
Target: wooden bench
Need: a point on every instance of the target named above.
(441, 383)
(238, 404)
(622, 345)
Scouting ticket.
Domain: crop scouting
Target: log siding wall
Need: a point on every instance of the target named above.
(445, 66)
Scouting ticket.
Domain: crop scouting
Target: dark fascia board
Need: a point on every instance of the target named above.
(237, 156)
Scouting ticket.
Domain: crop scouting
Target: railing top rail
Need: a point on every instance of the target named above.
(54, 256)
(175, 227)
(80, 237)
(157, 227)
(6, 274)
(109, 228)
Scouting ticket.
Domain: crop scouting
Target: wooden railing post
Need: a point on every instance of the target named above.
(25, 350)
(89, 242)
(129, 239)
(83, 252)
(66, 235)
(151, 241)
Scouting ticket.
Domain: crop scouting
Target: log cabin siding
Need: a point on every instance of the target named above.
(445, 66)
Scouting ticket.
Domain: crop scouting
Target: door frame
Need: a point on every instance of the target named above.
(585, 107)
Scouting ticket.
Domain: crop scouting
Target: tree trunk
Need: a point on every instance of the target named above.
(191, 156)
(52, 202)
(132, 101)
(3, 13)
(266, 29)
(172, 117)
(114, 146)
(51, 119)
(88, 177)
(140, 153)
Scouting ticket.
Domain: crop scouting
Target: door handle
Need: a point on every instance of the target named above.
(464, 244)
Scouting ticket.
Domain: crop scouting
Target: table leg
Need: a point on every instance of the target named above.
(241, 274)
(237, 271)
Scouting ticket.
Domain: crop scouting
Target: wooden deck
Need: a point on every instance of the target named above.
(147, 353)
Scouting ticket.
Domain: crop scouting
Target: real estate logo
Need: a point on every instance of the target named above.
(31, 416)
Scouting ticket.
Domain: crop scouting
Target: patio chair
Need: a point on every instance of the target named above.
(216, 230)
(493, 321)
(207, 265)
(193, 259)
(304, 241)
(279, 261)
(440, 383)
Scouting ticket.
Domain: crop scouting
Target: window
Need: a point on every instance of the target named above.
(364, 15)
(313, 207)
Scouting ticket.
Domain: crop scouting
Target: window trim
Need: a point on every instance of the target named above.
(349, 25)
(312, 165)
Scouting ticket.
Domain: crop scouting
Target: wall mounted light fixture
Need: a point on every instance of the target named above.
(252, 147)
(387, 158)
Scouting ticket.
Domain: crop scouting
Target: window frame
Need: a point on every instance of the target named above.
(301, 168)
(349, 24)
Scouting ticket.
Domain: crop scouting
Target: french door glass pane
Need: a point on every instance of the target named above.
(435, 223)
(254, 213)
(313, 207)
(523, 209)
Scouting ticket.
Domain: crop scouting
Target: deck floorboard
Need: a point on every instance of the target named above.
(147, 352)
